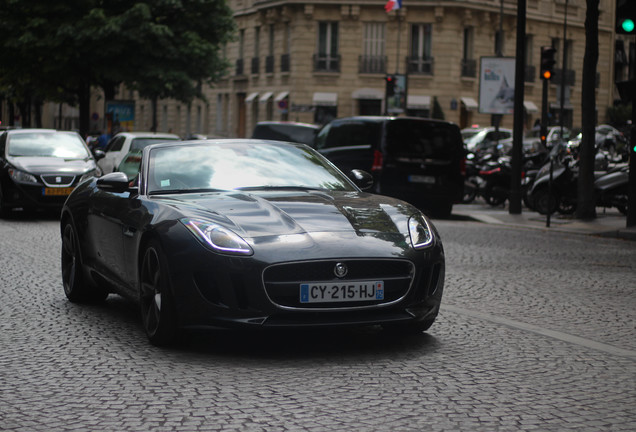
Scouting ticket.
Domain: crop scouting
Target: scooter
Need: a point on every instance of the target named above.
(612, 188)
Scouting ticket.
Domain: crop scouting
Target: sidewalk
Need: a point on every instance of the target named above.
(608, 222)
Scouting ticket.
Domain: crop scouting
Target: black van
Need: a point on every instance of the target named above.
(418, 160)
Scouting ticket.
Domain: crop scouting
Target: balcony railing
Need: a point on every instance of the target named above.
(530, 75)
(255, 65)
(239, 66)
(326, 63)
(469, 68)
(269, 64)
(284, 62)
(420, 65)
(372, 64)
(570, 77)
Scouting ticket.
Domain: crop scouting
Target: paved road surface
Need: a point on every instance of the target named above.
(537, 333)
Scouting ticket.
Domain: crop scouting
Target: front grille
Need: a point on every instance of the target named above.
(282, 281)
(57, 180)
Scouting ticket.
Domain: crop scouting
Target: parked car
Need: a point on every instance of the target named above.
(124, 142)
(417, 160)
(304, 133)
(40, 167)
(479, 139)
(532, 138)
(250, 233)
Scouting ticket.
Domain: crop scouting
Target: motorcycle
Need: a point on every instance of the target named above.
(612, 188)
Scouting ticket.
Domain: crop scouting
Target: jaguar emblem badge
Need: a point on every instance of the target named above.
(340, 270)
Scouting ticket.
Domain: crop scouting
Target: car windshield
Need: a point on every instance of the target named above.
(140, 143)
(47, 144)
(240, 165)
(286, 132)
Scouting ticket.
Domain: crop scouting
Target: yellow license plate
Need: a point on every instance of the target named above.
(57, 191)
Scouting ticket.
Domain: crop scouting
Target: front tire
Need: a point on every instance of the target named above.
(155, 298)
(544, 202)
(76, 287)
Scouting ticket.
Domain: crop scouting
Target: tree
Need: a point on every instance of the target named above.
(59, 50)
(586, 202)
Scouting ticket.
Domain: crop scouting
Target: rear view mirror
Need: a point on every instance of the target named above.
(116, 182)
(361, 178)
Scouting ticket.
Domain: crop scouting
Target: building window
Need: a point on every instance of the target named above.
(241, 52)
(327, 58)
(257, 41)
(469, 65)
(531, 70)
(421, 61)
(284, 58)
(219, 113)
(373, 59)
(269, 60)
(164, 119)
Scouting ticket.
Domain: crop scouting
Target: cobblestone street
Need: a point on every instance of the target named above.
(537, 333)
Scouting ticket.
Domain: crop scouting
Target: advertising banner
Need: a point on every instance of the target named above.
(120, 116)
(497, 85)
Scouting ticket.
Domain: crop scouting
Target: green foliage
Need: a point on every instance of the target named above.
(56, 50)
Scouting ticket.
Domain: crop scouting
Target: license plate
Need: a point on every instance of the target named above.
(422, 179)
(57, 191)
(320, 292)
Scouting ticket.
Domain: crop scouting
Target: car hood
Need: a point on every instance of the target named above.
(43, 165)
(279, 213)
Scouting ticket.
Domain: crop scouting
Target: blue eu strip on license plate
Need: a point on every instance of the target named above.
(321, 292)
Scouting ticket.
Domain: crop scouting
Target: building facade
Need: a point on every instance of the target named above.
(314, 61)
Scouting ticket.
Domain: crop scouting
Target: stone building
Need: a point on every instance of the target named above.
(313, 61)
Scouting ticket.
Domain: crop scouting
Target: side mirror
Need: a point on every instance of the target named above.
(98, 154)
(362, 179)
(116, 182)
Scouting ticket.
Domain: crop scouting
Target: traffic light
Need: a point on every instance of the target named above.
(390, 85)
(626, 17)
(547, 62)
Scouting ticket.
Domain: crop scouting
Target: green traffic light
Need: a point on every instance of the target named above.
(628, 25)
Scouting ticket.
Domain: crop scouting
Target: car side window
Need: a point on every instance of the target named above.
(353, 134)
(115, 144)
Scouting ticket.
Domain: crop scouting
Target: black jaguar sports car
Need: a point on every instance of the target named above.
(222, 233)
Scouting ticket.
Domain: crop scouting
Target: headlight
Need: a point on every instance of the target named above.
(420, 232)
(21, 177)
(92, 173)
(219, 238)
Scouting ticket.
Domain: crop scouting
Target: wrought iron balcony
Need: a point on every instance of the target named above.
(269, 64)
(284, 62)
(469, 68)
(326, 63)
(239, 66)
(557, 77)
(530, 75)
(420, 65)
(255, 65)
(372, 64)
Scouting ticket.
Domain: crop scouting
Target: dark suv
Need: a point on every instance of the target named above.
(418, 160)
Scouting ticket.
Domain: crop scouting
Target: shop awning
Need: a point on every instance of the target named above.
(266, 96)
(325, 99)
(530, 106)
(469, 103)
(367, 93)
(418, 102)
(250, 98)
(280, 96)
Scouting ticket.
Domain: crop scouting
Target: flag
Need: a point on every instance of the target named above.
(392, 5)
